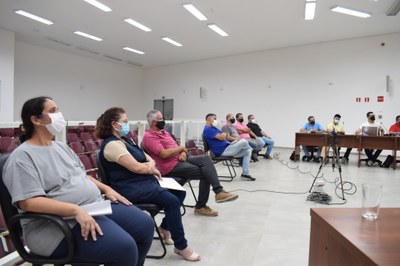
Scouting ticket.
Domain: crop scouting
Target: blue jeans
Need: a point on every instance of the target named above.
(307, 153)
(172, 201)
(264, 140)
(240, 149)
(127, 236)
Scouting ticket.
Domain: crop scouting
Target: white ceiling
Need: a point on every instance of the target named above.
(253, 25)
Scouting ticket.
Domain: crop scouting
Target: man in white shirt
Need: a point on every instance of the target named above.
(372, 157)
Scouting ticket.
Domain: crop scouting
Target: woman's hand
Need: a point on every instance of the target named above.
(88, 225)
(114, 196)
(157, 174)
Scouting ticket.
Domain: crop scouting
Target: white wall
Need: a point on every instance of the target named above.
(283, 87)
(82, 87)
(6, 75)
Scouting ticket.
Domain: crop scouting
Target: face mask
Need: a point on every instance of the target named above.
(160, 124)
(57, 123)
(253, 121)
(215, 123)
(241, 120)
(336, 121)
(124, 129)
(372, 117)
(312, 122)
(232, 120)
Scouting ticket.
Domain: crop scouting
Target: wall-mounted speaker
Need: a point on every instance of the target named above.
(388, 84)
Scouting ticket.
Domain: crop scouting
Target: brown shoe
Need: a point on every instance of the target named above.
(206, 211)
(224, 196)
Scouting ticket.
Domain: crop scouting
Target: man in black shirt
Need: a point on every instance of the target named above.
(262, 137)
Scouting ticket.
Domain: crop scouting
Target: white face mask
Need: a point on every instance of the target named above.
(57, 123)
(254, 121)
(336, 121)
(215, 123)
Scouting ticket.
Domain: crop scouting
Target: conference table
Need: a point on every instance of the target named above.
(340, 236)
(350, 141)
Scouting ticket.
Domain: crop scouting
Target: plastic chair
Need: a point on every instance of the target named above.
(12, 218)
(7, 132)
(152, 209)
(87, 163)
(72, 137)
(90, 146)
(77, 147)
(226, 160)
(86, 136)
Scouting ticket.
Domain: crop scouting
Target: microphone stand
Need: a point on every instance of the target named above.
(335, 159)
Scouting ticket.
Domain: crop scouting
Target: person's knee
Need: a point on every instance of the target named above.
(124, 251)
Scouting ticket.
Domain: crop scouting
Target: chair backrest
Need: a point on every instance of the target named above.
(90, 145)
(206, 147)
(7, 144)
(101, 171)
(77, 147)
(5, 198)
(7, 132)
(85, 161)
(72, 137)
(86, 136)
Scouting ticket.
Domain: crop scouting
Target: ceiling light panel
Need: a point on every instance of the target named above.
(218, 30)
(88, 36)
(137, 24)
(98, 5)
(310, 9)
(133, 50)
(351, 12)
(195, 12)
(34, 17)
(169, 40)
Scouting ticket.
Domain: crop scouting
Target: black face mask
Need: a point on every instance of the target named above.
(241, 120)
(160, 124)
(372, 117)
(232, 120)
(312, 122)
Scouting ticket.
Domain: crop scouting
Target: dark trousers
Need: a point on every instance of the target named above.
(371, 155)
(172, 201)
(347, 153)
(199, 168)
(127, 236)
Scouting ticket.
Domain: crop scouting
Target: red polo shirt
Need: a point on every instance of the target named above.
(395, 128)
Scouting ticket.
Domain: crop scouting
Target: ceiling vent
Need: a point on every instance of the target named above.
(134, 64)
(113, 58)
(394, 9)
(86, 50)
(58, 41)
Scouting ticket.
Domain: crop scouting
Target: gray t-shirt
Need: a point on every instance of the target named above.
(230, 130)
(55, 172)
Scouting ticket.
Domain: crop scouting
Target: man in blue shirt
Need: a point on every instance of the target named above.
(220, 146)
(312, 127)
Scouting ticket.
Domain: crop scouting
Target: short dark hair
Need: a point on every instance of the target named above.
(237, 115)
(32, 107)
(248, 117)
(369, 114)
(337, 115)
(208, 115)
(397, 117)
(103, 123)
(311, 116)
(227, 116)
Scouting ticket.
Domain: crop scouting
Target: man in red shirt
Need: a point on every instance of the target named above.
(172, 160)
(395, 128)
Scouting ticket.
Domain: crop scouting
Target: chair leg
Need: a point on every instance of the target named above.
(158, 237)
(232, 172)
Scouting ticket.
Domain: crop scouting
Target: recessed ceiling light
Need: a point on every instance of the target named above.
(99, 5)
(171, 41)
(310, 9)
(88, 36)
(218, 30)
(195, 12)
(34, 17)
(137, 24)
(351, 12)
(133, 50)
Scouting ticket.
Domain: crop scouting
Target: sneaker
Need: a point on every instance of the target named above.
(206, 211)
(224, 196)
(317, 160)
(309, 158)
(249, 177)
(269, 157)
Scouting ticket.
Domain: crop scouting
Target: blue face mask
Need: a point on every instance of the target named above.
(124, 129)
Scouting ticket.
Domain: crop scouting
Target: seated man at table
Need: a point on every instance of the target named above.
(247, 134)
(368, 127)
(173, 160)
(395, 128)
(312, 127)
(262, 137)
(220, 146)
(336, 128)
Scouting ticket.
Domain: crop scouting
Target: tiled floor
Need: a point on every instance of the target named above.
(270, 223)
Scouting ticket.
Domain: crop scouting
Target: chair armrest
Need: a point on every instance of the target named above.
(14, 230)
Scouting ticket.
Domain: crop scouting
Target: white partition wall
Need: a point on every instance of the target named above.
(6, 75)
